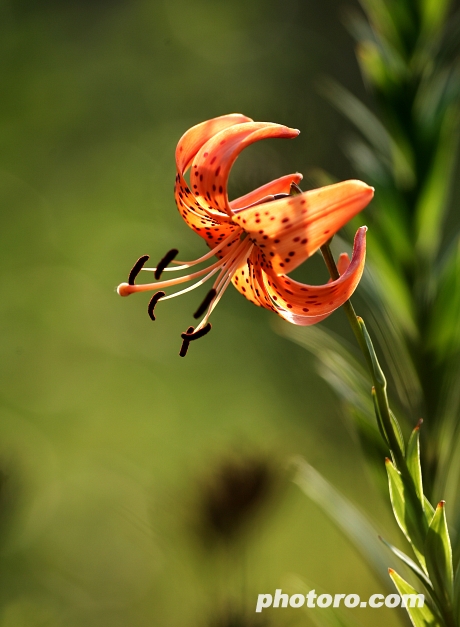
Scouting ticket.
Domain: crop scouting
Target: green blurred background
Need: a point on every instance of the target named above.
(110, 442)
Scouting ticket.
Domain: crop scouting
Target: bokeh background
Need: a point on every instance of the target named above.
(119, 461)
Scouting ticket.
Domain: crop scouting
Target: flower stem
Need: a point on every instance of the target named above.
(387, 423)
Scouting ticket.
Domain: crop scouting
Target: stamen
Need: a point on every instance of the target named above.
(261, 201)
(190, 335)
(125, 289)
(153, 301)
(187, 264)
(136, 269)
(185, 342)
(165, 261)
(205, 304)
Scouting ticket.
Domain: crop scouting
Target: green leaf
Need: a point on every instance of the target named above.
(444, 330)
(408, 512)
(439, 557)
(434, 196)
(395, 153)
(413, 463)
(457, 592)
(434, 13)
(429, 510)
(410, 563)
(353, 524)
(420, 616)
(391, 287)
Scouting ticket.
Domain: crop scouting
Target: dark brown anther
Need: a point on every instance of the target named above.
(185, 342)
(137, 268)
(165, 262)
(278, 196)
(153, 301)
(205, 304)
(190, 336)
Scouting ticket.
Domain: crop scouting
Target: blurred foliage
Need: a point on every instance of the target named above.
(410, 61)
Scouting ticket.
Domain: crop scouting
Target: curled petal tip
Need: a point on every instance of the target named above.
(124, 289)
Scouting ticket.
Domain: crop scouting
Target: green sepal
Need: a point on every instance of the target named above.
(410, 563)
(408, 512)
(420, 616)
(438, 554)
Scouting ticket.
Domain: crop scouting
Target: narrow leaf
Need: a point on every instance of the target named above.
(410, 563)
(420, 616)
(397, 157)
(435, 194)
(408, 512)
(457, 592)
(413, 462)
(439, 557)
(345, 515)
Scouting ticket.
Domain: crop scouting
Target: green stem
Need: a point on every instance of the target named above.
(389, 424)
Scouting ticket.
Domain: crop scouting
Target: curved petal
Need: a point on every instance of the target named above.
(299, 303)
(281, 185)
(212, 229)
(291, 229)
(193, 139)
(212, 164)
(194, 211)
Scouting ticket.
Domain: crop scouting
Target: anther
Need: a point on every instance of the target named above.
(185, 342)
(137, 268)
(190, 335)
(205, 304)
(165, 261)
(278, 196)
(153, 301)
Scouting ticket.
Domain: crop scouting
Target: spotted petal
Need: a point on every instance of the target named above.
(281, 185)
(193, 139)
(290, 230)
(308, 304)
(212, 164)
(246, 282)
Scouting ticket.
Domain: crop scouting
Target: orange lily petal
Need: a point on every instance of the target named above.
(281, 185)
(213, 162)
(192, 140)
(192, 209)
(209, 228)
(290, 230)
(245, 281)
(295, 301)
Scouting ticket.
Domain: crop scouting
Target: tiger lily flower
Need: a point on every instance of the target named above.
(255, 240)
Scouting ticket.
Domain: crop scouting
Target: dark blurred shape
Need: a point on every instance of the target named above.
(8, 500)
(235, 618)
(234, 494)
